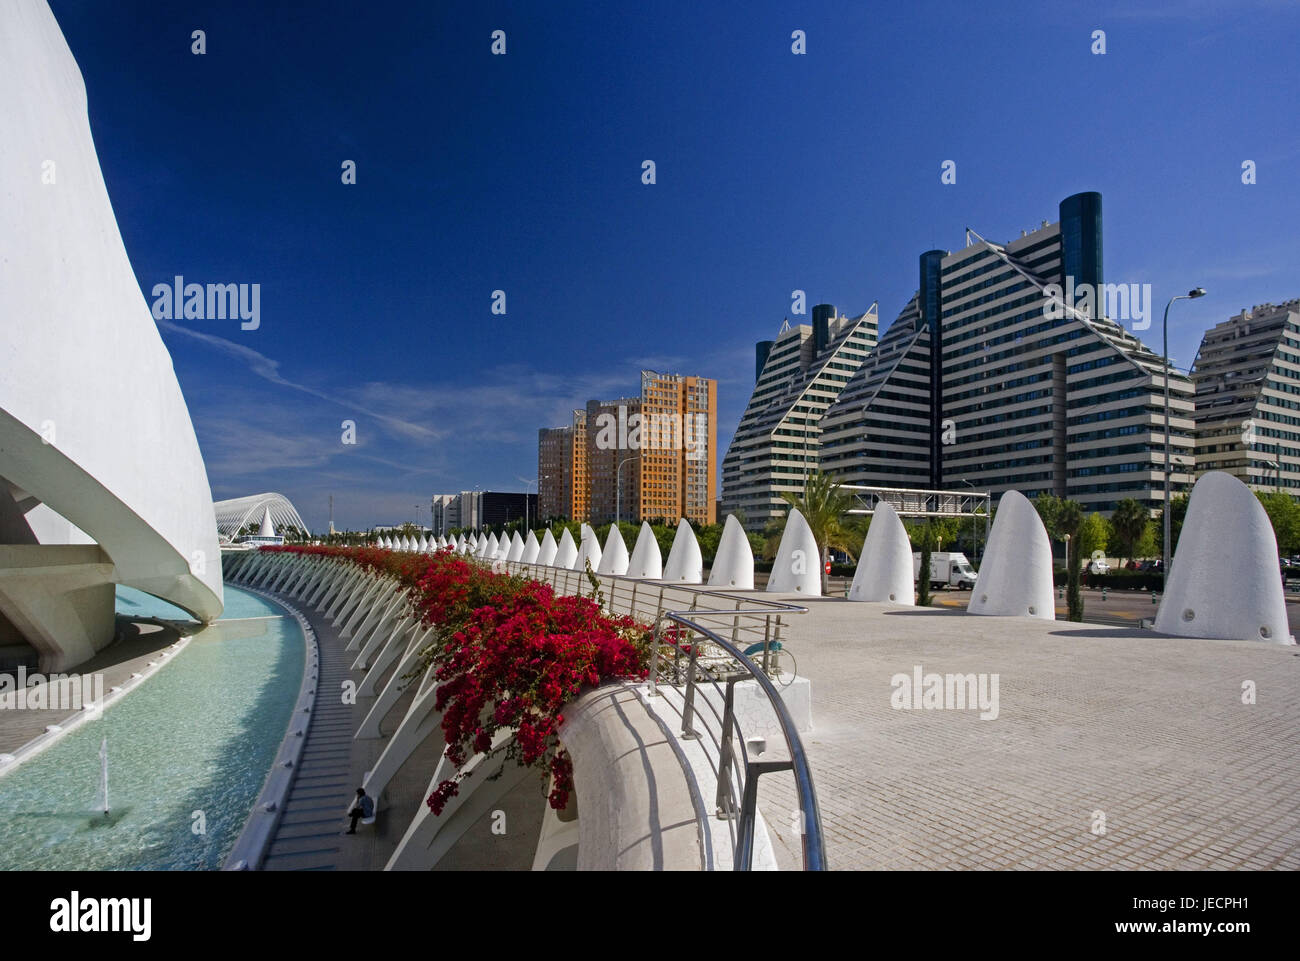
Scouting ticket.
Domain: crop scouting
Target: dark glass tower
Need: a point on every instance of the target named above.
(930, 296)
(1081, 239)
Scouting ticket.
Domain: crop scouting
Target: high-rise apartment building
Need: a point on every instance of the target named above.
(1247, 378)
(612, 464)
(647, 457)
(798, 376)
(562, 483)
(1012, 374)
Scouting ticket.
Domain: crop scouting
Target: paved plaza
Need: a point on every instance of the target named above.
(1111, 728)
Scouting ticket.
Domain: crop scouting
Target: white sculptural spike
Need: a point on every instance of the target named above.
(516, 551)
(267, 529)
(614, 559)
(531, 549)
(685, 562)
(1015, 577)
(567, 554)
(797, 567)
(547, 549)
(589, 550)
(733, 564)
(1223, 580)
(492, 546)
(885, 566)
(647, 561)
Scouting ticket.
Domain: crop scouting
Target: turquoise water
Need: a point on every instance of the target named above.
(189, 749)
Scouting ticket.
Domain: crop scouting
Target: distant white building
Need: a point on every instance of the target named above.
(1247, 378)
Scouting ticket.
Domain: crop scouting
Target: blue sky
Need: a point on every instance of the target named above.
(523, 173)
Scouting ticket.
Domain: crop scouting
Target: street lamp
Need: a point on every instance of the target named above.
(1190, 295)
(618, 488)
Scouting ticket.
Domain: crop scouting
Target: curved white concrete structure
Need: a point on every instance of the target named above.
(237, 513)
(884, 571)
(547, 550)
(567, 554)
(614, 559)
(92, 421)
(797, 567)
(531, 549)
(1015, 578)
(733, 565)
(685, 562)
(646, 562)
(1223, 582)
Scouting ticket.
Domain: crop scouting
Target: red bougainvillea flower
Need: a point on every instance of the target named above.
(507, 653)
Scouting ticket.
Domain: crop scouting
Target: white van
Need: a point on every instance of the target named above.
(947, 569)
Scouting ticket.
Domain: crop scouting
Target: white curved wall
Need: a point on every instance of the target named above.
(82, 353)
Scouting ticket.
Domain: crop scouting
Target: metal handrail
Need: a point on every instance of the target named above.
(813, 841)
(741, 811)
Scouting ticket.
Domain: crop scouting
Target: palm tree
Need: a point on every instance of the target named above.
(1129, 522)
(822, 504)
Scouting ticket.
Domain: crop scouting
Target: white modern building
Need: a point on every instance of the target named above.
(1247, 378)
(101, 478)
(798, 376)
(1002, 375)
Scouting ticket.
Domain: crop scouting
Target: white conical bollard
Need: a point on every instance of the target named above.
(1224, 580)
(1015, 578)
(492, 546)
(588, 550)
(482, 548)
(547, 550)
(733, 565)
(797, 568)
(516, 552)
(614, 559)
(503, 547)
(884, 571)
(646, 562)
(531, 549)
(567, 554)
(685, 562)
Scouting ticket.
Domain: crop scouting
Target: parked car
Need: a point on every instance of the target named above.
(1098, 566)
(1133, 566)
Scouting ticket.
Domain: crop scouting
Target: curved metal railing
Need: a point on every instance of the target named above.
(705, 675)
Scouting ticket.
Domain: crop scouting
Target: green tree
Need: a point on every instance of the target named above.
(823, 504)
(1069, 518)
(1284, 515)
(1129, 524)
(1049, 511)
(1177, 513)
(924, 536)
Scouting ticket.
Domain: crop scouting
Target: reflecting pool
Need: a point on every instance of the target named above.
(188, 752)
